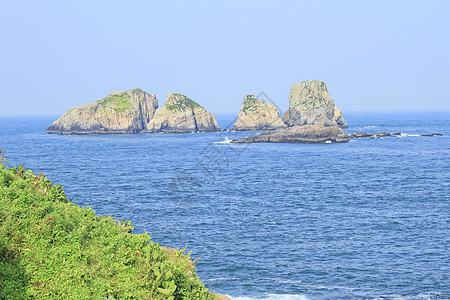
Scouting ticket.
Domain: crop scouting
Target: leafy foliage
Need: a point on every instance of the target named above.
(52, 248)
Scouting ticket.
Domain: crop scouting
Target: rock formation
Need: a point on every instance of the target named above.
(256, 114)
(377, 135)
(432, 134)
(311, 104)
(360, 135)
(339, 118)
(119, 112)
(308, 134)
(180, 114)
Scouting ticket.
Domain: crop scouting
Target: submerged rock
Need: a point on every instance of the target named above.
(311, 104)
(180, 115)
(256, 114)
(308, 134)
(119, 112)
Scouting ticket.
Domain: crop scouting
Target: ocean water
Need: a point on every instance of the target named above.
(369, 219)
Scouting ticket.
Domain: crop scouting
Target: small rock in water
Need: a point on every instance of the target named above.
(384, 134)
(360, 134)
(433, 134)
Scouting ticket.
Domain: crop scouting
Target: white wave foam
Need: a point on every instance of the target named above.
(221, 279)
(424, 296)
(273, 297)
(405, 134)
(225, 141)
(370, 127)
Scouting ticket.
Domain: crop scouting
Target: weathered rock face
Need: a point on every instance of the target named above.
(257, 115)
(311, 104)
(119, 112)
(307, 134)
(180, 114)
(339, 118)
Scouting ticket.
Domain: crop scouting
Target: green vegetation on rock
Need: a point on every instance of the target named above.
(250, 103)
(119, 102)
(137, 91)
(51, 248)
(181, 103)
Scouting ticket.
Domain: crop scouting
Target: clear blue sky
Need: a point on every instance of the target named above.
(373, 55)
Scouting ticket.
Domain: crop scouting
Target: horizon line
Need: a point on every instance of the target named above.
(235, 113)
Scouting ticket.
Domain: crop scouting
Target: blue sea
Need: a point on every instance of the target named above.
(368, 219)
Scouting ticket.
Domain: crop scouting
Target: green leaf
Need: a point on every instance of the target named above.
(166, 292)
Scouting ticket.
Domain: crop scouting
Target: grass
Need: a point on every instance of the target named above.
(120, 102)
(51, 248)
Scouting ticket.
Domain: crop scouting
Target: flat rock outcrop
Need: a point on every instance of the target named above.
(311, 104)
(360, 135)
(119, 112)
(180, 115)
(432, 134)
(256, 114)
(307, 134)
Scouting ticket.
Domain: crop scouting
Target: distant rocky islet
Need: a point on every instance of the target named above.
(256, 114)
(311, 104)
(312, 117)
(180, 115)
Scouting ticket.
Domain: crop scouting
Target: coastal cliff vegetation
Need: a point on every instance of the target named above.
(183, 103)
(119, 102)
(54, 249)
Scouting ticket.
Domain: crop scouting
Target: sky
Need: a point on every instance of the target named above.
(373, 55)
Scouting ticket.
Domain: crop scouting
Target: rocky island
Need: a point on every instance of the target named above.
(181, 115)
(256, 114)
(311, 104)
(135, 111)
(119, 112)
